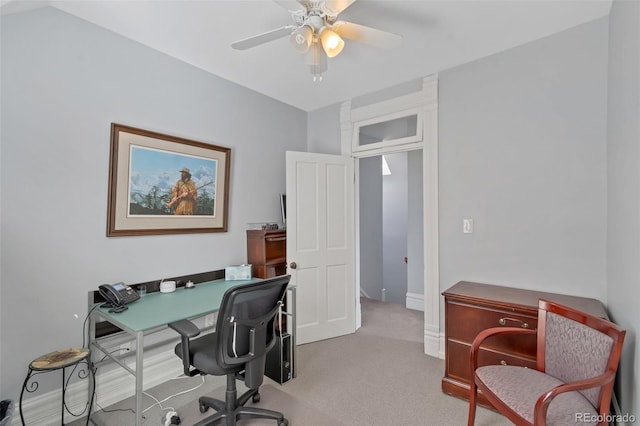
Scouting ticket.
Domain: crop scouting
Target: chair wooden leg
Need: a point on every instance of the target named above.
(473, 396)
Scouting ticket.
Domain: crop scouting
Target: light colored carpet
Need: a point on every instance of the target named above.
(376, 376)
(271, 398)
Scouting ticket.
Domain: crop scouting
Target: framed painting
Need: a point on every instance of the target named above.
(161, 184)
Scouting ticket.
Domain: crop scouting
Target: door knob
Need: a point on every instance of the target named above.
(293, 265)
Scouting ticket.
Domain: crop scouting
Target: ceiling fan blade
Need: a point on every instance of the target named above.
(367, 35)
(335, 7)
(289, 4)
(263, 38)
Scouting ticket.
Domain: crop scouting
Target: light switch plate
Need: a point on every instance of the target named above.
(467, 226)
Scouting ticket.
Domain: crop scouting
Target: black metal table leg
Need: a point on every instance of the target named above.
(24, 386)
(55, 361)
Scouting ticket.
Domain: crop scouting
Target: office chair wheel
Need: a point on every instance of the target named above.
(283, 422)
(255, 397)
(203, 408)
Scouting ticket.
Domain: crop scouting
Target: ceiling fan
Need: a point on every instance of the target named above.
(318, 34)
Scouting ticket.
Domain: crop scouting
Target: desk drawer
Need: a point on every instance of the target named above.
(464, 322)
(459, 360)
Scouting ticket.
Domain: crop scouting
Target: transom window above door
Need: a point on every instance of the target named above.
(398, 128)
(401, 129)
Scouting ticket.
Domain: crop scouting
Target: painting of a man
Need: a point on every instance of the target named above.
(185, 194)
(156, 190)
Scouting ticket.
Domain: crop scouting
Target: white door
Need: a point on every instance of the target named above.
(320, 243)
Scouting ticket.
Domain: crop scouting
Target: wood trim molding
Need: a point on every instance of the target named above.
(430, 216)
(427, 99)
(415, 301)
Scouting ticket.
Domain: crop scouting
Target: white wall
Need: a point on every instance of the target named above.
(623, 193)
(522, 141)
(370, 198)
(394, 228)
(415, 224)
(64, 81)
(522, 152)
(323, 130)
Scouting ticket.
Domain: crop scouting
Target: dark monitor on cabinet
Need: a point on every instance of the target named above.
(283, 208)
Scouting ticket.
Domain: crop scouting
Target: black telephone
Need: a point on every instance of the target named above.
(117, 296)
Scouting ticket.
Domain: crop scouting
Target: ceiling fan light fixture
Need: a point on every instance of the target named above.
(315, 55)
(332, 43)
(317, 73)
(301, 38)
(317, 33)
(317, 60)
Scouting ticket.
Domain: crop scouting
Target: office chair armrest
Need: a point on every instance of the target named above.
(186, 329)
(542, 404)
(489, 332)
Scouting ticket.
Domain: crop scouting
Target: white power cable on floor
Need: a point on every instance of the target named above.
(159, 403)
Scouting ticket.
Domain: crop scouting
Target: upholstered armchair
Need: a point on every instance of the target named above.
(576, 363)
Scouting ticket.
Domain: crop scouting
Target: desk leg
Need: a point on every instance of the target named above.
(91, 386)
(293, 332)
(139, 381)
(92, 356)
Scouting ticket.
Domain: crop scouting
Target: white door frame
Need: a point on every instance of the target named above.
(426, 101)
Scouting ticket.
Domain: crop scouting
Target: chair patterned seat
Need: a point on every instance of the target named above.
(520, 387)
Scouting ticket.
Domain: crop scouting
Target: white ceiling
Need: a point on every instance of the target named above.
(436, 35)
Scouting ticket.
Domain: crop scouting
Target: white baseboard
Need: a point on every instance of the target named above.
(433, 344)
(111, 386)
(415, 301)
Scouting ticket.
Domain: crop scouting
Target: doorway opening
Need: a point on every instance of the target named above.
(391, 232)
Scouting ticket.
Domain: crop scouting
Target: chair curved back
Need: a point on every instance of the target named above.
(574, 346)
(245, 330)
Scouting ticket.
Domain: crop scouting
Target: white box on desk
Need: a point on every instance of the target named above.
(239, 272)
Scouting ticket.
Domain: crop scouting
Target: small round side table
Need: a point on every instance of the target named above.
(60, 360)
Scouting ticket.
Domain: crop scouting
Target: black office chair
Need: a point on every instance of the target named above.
(244, 334)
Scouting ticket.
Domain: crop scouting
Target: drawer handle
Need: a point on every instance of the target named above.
(274, 239)
(503, 362)
(503, 321)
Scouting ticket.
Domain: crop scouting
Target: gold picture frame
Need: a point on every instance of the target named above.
(162, 184)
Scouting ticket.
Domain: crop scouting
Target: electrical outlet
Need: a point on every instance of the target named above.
(125, 347)
(208, 320)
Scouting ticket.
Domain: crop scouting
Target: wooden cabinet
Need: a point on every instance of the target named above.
(267, 252)
(473, 307)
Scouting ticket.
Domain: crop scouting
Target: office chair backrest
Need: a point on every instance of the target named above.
(577, 346)
(246, 326)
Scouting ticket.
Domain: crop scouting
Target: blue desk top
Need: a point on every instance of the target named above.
(159, 309)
